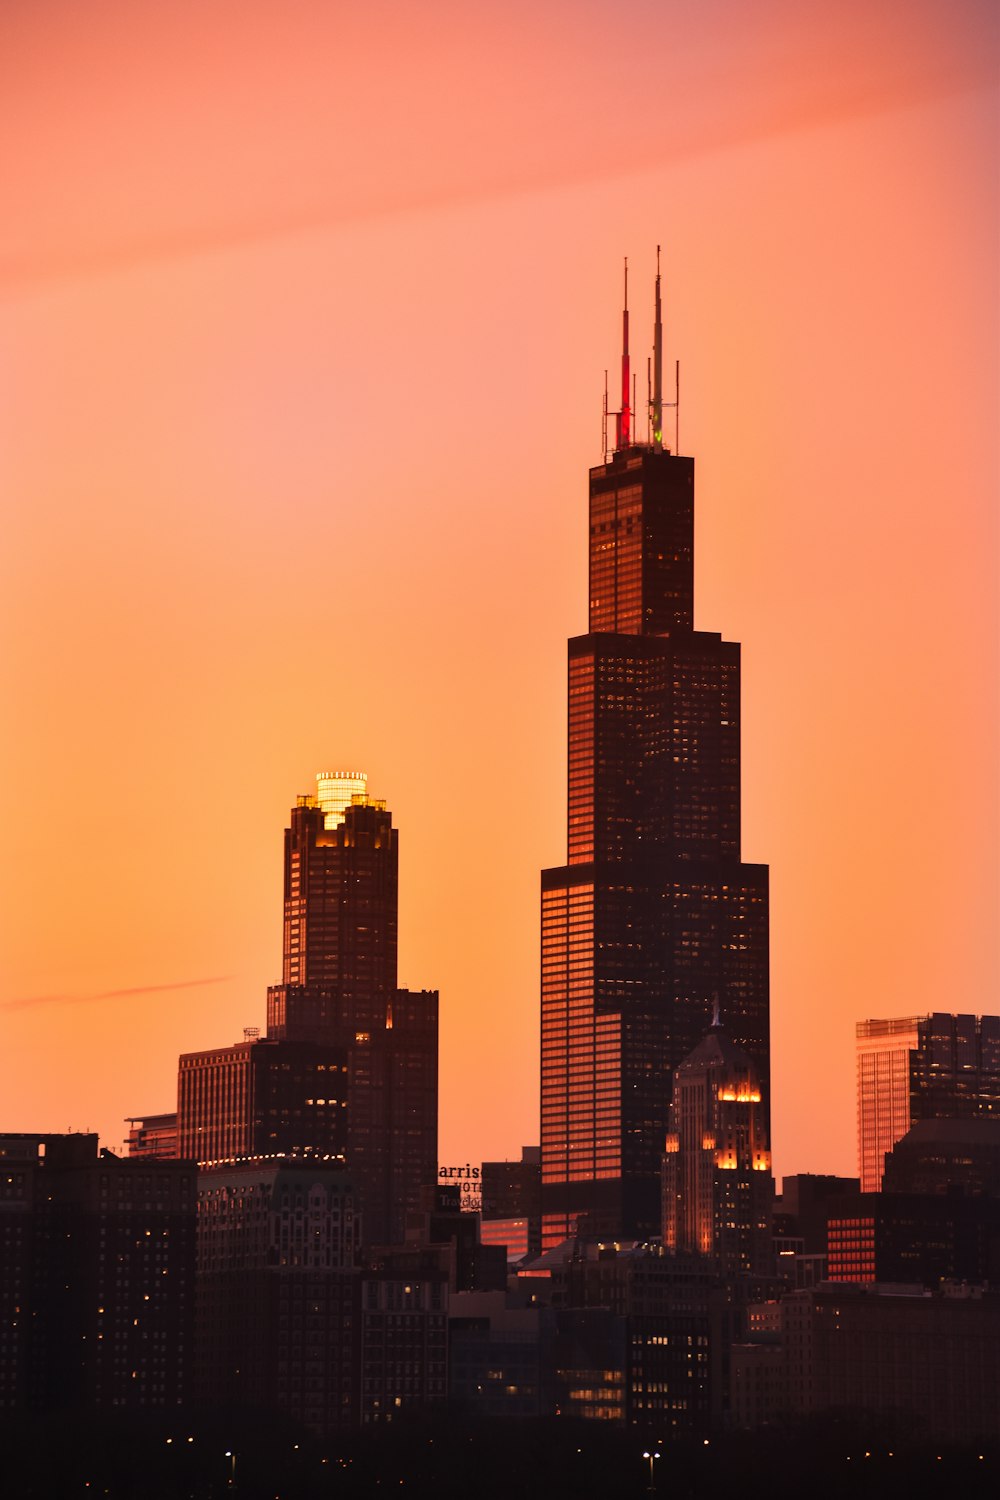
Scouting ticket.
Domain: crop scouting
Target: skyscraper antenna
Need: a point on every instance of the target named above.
(625, 421)
(658, 364)
(604, 423)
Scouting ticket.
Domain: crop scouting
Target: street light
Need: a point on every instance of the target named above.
(652, 1459)
(232, 1468)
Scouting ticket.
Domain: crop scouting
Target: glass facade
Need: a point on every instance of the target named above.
(883, 1054)
(654, 747)
(654, 920)
(930, 1067)
(341, 900)
(581, 1048)
(642, 544)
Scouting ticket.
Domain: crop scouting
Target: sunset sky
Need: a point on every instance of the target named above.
(305, 310)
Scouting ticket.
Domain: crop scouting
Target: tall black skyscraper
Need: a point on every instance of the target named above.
(653, 919)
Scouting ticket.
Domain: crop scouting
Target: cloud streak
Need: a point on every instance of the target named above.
(250, 158)
(29, 1002)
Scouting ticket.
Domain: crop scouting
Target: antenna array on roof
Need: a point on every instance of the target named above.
(655, 404)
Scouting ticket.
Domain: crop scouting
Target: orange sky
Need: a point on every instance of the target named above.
(304, 314)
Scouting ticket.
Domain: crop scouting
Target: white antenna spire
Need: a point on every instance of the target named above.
(624, 424)
(658, 365)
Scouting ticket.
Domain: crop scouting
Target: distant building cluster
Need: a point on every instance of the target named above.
(288, 1241)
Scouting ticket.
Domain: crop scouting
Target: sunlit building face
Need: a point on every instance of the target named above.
(653, 920)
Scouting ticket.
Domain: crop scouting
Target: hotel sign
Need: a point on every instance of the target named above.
(468, 1180)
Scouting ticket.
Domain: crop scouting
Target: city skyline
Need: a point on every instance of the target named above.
(294, 443)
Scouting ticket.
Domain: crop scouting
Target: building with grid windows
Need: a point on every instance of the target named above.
(929, 1067)
(348, 1066)
(654, 918)
(97, 1274)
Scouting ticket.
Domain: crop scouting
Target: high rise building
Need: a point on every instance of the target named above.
(341, 900)
(348, 1066)
(654, 919)
(97, 1276)
(883, 1059)
(928, 1067)
(718, 1192)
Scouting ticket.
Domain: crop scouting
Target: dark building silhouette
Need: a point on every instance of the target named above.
(946, 1156)
(404, 1345)
(653, 919)
(801, 1212)
(930, 1067)
(630, 1336)
(718, 1192)
(278, 1290)
(804, 1203)
(496, 1356)
(442, 1239)
(930, 1361)
(348, 1067)
(512, 1204)
(96, 1277)
(920, 1238)
(671, 1307)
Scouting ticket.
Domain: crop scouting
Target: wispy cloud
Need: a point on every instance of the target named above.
(225, 181)
(26, 1002)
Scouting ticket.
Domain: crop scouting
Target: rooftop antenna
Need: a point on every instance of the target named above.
(658, 365)
(716, 1010)
(625, 415)
(677, 407)
(604, 423)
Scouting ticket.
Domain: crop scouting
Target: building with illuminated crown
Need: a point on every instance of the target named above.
(348, 1066)
(718, 1192)
(654, 918)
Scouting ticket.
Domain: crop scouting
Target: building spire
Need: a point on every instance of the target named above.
(658, 365)
(625, 415)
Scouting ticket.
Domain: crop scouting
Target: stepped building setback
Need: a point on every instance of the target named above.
(348, 1067)
(654, 919)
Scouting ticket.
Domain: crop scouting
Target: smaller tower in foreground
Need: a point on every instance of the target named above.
(717, 1184)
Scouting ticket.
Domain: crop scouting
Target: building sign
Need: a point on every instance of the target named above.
(468, 1180)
